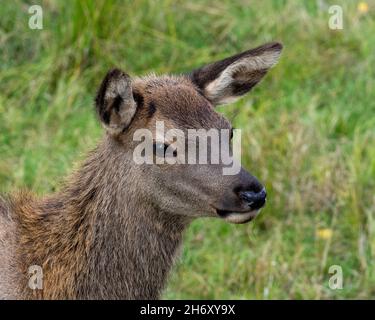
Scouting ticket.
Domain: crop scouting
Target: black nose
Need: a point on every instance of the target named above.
(255, 200)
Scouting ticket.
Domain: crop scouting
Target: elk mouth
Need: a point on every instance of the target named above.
(237, 217)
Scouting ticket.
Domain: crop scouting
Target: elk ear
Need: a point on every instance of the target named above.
(227, 80)
(115, 104)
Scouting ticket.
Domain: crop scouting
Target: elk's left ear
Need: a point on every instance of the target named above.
(227, 80)
(115, 104)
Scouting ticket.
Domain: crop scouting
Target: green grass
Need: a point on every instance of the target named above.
(308, 129)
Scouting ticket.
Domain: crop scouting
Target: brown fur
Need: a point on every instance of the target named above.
(113, 230)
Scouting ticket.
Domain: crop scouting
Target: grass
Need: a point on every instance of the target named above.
(308, 129)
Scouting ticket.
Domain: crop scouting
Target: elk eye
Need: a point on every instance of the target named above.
(161, 148)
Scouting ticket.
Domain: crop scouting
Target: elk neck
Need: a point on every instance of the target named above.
(98, 238)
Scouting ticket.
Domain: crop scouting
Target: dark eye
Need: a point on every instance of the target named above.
(161, 148)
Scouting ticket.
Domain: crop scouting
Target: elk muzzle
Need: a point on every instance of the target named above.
(244, 201)
(254, 200)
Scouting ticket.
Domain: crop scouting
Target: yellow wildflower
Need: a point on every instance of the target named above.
(324, 233)
(362, 7)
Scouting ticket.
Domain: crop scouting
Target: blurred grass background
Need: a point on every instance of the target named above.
(308, 128)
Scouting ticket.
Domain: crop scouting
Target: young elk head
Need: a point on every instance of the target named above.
(165, 179)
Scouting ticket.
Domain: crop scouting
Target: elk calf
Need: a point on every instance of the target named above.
(113, 230)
